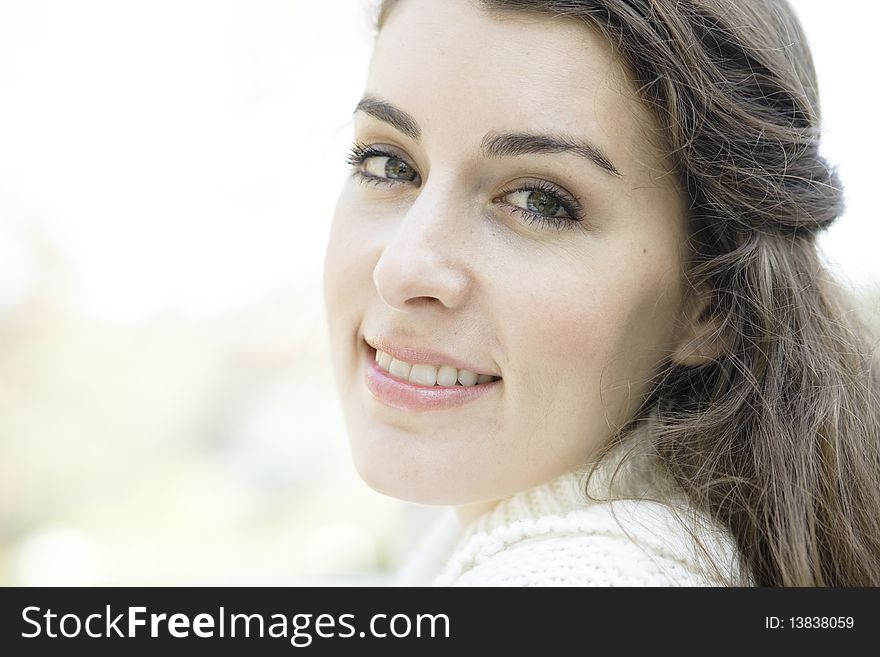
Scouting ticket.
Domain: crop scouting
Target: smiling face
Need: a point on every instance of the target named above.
(507, 217)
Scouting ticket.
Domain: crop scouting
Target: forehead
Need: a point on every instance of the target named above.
(464, 71)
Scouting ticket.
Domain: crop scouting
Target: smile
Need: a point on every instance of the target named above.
(423, 387)
(430, 375)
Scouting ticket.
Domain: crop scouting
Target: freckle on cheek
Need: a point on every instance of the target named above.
(644, 250)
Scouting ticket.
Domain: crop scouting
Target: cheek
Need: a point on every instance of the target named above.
(347, 267)
(566, 333)
(592, 335)
(347, 275)
(638, 329)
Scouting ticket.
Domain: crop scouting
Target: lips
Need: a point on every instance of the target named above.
(404, 394)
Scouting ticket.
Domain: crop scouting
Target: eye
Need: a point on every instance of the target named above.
(545, 203)
(394, 168)
(539, 202)
(374, 164)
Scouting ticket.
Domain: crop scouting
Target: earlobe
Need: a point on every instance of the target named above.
(701, 338)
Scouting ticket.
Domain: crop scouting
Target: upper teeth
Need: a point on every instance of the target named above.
(430, 375)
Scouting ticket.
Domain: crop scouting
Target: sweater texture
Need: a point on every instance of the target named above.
(639, 533)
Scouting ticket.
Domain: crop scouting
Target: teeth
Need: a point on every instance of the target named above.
(425, 375)
(429, 375)
(467, 378)
(399, 368)
(447, 376)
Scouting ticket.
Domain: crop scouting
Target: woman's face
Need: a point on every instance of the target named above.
(508, 217)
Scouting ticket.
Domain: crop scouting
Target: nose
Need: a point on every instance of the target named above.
(426, 260)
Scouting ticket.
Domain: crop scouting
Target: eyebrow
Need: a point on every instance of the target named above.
(494, 144)
(394, 116)
(509, 144)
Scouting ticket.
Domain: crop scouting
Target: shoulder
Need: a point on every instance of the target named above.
(619, 543)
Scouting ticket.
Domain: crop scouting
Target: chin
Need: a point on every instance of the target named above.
(391, 478)
(409, 478)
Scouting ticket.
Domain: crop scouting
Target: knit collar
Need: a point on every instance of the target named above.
(629, 470)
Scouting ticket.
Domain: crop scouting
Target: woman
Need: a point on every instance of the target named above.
(573, 291)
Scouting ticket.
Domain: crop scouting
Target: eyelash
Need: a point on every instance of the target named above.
(360, 153)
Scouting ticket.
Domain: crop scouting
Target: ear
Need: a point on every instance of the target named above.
(700, 338)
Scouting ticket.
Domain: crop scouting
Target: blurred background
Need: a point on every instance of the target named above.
(168, 171)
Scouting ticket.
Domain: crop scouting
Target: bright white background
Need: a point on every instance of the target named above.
(168, 171)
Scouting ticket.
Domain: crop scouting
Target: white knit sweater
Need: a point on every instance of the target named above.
(552, 535)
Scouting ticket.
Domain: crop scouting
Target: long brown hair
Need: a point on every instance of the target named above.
(778, 437)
